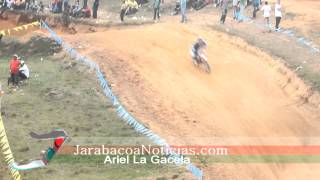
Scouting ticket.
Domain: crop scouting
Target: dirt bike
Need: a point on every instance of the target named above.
(201, 62)
(199, 4)
(194, 4)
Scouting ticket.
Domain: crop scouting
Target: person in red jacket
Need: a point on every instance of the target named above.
(14, 70)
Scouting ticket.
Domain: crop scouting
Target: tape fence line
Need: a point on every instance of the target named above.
(120, 110)
(289, 33)
(6, 151)
(8, 32)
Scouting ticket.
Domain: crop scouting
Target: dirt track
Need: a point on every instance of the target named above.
(151, 71)
(156, 71)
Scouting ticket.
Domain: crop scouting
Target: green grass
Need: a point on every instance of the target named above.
(65, 94)
(37, 46)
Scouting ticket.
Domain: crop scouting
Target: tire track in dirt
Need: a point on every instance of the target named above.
(152, 74)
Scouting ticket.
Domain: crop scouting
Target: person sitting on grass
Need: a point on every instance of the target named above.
(14, 71)
(23, 71)
(75, 9)
(128, 7)
(86, 12)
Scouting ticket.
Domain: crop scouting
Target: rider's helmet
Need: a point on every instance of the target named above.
(201, 42)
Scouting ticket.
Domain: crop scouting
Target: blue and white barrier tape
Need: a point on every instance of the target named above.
(289, 33)
(121, 111)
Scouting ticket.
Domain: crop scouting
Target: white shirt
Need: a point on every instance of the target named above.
(266, 10)
(25, 70)
(235, 2)
(277, 10)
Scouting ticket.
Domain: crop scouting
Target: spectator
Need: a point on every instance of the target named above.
(177, 8)
(27, 4)
(224, 11)
(65, 5)
(238, 12)
(3, 7)
(248, 3)
(37, 7)
(242, 7)
(266, 8)
(128, 7)
(123, 10)
(23, 71)
(76, 9)
(95, 9)
(256, 4)
(54, 6)
(60, 5)
(183, 7)
(66, 16)
(19, 4)
(85, 13)
(2, 3)
(85, 4)
(235, 6)
(156, 8)
(217, 3)
(278, 14)
(10, 4)
(40, 7)
(14, 70)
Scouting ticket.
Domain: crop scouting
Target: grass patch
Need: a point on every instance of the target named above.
(35, 47)
(65, 94)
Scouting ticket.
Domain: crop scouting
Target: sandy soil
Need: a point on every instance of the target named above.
(242, 87)
(304, 15)
(6, 25)
(151, 71)
(155, 79)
